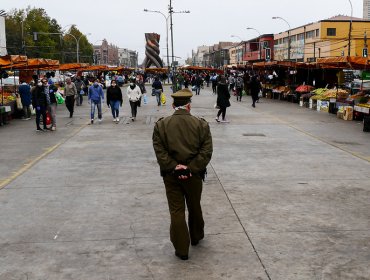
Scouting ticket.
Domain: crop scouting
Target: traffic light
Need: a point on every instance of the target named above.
(364, 52)
(268, 54)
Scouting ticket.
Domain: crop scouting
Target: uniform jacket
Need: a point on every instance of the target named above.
(182, 139)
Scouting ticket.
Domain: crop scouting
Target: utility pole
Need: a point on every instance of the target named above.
(350, 30)
(174, 82)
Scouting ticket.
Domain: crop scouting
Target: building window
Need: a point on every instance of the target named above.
(293, 38)
(317, 33)
(331, 32)
(300, 37)
(310, 34)
(276, 42)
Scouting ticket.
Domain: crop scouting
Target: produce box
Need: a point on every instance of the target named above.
(348, 113)
(312, 104)
(324, 106)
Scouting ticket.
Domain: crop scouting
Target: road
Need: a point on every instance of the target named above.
(286, 197)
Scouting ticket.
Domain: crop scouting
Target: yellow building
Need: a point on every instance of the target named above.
(326, 38)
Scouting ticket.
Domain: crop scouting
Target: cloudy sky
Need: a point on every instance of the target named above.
(124, 23)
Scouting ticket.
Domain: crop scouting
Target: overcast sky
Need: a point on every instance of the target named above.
(124, 23)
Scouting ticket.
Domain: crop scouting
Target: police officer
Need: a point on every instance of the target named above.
(183, 147)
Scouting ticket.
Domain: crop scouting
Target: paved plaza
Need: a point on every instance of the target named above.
(286, 197)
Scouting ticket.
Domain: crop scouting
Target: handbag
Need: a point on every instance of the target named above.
(82, 92)
(163, 98)
(59, 98)
(19, 103)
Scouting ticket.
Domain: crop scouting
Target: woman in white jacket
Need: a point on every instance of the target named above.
(134, 94)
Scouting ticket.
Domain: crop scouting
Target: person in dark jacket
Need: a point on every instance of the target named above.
(255, 87)
(157, 89)
(114, 100)
(223, 99)
(39, 102)
(26, 98)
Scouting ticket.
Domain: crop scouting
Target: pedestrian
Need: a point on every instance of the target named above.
(255, 88)
(141, 84)
(39, 102)
(239, 85)
(95, 99)
(114, 100)
(223, 99)
(183, 147)
(70, 92)
(26, 99)
(214, 80)
(157, 89)
(134, 94)
(231, 82)
(207, 79)
(198, 83)
(79, 83)
(52, 102)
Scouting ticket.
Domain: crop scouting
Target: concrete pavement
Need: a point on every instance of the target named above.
(286, 197)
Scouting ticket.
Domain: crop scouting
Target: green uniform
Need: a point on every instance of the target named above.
(183, 139)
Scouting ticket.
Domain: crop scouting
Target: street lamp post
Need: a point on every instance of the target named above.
(350, 30)
(288, 33)
(78, 44)
(241, 43)
(259, 40)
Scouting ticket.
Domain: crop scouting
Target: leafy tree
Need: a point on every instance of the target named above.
(51, 41)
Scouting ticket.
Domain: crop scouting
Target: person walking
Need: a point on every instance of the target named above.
(39, 102)
(70, 92)
(198, 82)
(79, 83)
(52, 102)
(239, 85)
(183, 148)
(134, 94)
(223, 99)
(26, 99)
(214, 80)
(114, 100)
(255, 87)
(157, 88)
(95, 99)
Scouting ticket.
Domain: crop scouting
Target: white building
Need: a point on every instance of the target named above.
(3, 50)
(198, 56)
(127, 58)
(366, 9)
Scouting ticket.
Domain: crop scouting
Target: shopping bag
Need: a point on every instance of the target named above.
(163, 98)
(145, 99)
(19, 103)
(82, 92)
(260, 94)
(59, 98)
(48, 118)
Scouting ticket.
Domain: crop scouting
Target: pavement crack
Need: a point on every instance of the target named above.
(241, 224)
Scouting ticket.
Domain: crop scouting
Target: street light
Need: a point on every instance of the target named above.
(78, 43)
(288, 34)
(350, 30)
(259, 40)
(241, 43)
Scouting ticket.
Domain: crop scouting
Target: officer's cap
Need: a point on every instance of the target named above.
(182, 97)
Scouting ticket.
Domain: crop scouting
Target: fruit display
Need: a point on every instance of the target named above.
(326, 94)
(8, 97)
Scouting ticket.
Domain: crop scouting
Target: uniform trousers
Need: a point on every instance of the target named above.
(178, 193)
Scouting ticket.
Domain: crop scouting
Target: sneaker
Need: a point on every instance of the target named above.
(225, 121)
(217, 120)
(114, 119)
(117, 120)
(39, 130)
(92, 121)
(53, 128)
(132, 119)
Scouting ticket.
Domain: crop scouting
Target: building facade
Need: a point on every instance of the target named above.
(3, 50)
(198, 56)
(106, 54)
(127, 58)
(366, 12)
(327, 38)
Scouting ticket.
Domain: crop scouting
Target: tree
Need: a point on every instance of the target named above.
(51, 41)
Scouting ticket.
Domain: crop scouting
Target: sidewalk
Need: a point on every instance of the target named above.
(286, 197)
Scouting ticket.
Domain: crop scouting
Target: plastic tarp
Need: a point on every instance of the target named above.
(73, 66)
(342, 62)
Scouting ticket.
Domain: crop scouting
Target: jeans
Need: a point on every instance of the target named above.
(27, 111)
(39, 113)
(197, 90)
(158, 93)
(114, 106)
(223, 112)
(79, 99)
(52, 108)
(70, 104)
(96, 103)
(133, 108)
